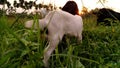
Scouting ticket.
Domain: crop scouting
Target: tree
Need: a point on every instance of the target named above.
(3, 1)
(22, 3)
(8, 4)
(84, 10)
(30, 4)
(102, 1)
(15, 3)
(40, 6)
(26, 5)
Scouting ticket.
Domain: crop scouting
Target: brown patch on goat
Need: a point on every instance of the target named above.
(71, 7)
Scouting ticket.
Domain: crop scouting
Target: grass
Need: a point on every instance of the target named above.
(23, 48)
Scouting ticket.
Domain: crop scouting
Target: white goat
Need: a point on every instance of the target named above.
(58, 24)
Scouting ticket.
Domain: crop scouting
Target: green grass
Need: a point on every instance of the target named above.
(23, 48)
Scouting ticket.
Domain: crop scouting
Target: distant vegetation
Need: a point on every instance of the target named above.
(24, 4)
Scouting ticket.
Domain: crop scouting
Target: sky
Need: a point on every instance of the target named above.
(90, 4)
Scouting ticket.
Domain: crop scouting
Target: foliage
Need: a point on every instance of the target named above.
(23, 48)
(3, 1)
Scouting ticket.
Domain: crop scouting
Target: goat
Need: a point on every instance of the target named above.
(58, 23)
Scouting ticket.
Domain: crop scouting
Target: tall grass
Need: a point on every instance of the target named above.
(23, 48)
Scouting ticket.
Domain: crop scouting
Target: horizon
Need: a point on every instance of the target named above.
(89, 4)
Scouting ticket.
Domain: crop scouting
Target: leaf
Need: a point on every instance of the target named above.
(4, 60)
(25, 52)
(79, 64)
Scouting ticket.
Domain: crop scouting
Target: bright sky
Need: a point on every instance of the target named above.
(90, 4)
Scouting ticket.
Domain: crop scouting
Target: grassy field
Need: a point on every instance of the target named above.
(23, 48)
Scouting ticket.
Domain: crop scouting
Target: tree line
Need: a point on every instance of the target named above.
(27, 5)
